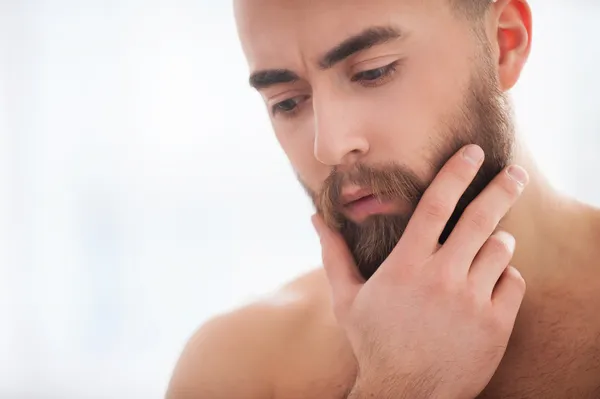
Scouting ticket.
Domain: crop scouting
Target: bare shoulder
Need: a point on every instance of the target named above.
(238, 354)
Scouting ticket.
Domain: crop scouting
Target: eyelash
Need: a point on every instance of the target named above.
(276, 110)
(386, 72)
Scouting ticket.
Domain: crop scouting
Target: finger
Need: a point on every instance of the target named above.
(425, 227)
(482, 216)
(491, 262)
(340, 268)
(508, 295)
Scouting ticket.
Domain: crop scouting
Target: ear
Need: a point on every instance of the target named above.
(512, 30)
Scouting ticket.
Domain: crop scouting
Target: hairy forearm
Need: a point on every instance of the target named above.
(395, 387)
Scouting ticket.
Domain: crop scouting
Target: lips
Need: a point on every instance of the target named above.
(358, 204)
(362, 200)
(350, 196)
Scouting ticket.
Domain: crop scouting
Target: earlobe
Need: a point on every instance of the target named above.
(514, 41)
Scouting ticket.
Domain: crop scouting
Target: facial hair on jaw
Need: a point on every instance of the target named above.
(483, 119)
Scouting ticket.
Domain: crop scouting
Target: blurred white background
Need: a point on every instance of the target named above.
(142, 190)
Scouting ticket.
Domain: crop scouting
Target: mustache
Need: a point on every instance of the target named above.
(387, 180)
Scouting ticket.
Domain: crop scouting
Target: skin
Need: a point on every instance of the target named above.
(294, 344)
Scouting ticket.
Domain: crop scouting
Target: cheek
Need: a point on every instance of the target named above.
(411, 116)
(403, 124)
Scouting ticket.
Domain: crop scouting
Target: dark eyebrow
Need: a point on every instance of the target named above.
(263, 79)
(366, 39)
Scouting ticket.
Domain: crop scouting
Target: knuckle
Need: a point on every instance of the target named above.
(445, 282)
(497, 247)
(461, 173)
(473, 301)
(404, 275)
(436, 208)
(480, 220)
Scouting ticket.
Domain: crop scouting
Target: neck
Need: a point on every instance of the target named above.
(556, 236)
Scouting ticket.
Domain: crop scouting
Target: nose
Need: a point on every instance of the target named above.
(340, 140)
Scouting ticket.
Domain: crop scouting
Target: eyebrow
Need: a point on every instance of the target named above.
(267, 78)
(366, 39)
(362, 41)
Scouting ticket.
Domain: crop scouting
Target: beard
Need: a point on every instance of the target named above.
(483, 118)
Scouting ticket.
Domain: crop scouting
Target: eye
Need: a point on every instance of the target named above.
(377, 76)
(288, 107)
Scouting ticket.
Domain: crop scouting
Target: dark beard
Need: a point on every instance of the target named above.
(483, 119)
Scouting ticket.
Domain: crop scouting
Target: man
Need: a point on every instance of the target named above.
(394, 114)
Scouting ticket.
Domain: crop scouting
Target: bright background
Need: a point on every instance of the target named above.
(142, 191)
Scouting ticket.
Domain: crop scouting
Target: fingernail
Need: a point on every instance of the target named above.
(473, 154)
(515, 271)
(518, 174)
(507, 239)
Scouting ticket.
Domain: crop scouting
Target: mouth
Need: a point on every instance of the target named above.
(358, 205)
(350, 197)
(361, 200)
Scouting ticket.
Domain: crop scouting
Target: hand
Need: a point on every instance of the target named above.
(433, 322)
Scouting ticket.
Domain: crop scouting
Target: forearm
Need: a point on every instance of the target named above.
(398, 388)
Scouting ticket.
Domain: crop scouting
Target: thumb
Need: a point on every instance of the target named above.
(339, 265)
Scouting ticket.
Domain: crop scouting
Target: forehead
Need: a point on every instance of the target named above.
(291, 31)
